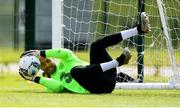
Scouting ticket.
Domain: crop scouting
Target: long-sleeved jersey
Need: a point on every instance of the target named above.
(61, 80)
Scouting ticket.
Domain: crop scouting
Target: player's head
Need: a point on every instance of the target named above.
(47, 65)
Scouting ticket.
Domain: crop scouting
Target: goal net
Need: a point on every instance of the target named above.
(87, 20)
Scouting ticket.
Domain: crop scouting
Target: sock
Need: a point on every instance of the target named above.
(109, 65)
(129, 33)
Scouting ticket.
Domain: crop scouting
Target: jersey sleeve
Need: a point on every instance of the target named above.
(51, 85)
(59, 53)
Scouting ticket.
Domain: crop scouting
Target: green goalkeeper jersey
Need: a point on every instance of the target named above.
(61, 80)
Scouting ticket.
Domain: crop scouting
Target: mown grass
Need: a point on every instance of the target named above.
(15, 92)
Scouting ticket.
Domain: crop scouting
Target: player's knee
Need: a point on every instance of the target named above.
(95, 45)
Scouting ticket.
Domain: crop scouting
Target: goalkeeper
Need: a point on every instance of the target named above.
(70, 74)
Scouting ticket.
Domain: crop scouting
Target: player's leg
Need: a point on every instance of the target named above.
(102, 82)
(98, 53)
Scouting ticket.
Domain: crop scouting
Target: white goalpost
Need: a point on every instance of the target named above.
(76, 23)
(57, 23)
(168, 42)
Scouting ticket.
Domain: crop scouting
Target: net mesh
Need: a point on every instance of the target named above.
(87, 20)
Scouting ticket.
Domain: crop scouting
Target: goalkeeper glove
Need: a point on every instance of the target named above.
(33, 78)
(27, 77)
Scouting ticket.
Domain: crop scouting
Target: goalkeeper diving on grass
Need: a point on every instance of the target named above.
(70, 74)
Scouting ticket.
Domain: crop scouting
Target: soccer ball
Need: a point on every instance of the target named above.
(29, 65)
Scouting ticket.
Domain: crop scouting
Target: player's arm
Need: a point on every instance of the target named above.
(60, 53)
(51, 84)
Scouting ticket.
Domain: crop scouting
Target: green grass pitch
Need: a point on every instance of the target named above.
(15, 92)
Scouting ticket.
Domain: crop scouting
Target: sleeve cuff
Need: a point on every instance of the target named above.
(37, 79)
(42, 53)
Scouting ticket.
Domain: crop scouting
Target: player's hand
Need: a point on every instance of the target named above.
(26, 77)
(31, 52)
